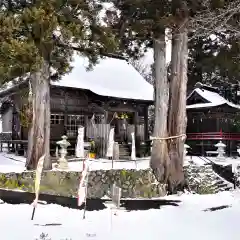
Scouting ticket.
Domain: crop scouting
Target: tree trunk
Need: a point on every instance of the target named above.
(170, 111)
(177, 119)
(39, 132)
(159, 158)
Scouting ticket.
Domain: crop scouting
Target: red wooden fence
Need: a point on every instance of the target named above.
(213, 136)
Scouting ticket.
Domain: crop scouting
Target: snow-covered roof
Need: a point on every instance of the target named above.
(110, 77)
(213, 99)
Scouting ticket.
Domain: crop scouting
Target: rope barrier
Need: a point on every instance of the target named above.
(183, 136)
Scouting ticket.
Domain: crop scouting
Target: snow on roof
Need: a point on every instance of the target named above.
(110, 77)
(213, 98)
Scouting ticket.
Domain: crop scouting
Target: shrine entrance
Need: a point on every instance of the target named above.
(123, 125)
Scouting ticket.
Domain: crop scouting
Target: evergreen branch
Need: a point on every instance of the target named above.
(101, 52)
(11, 90)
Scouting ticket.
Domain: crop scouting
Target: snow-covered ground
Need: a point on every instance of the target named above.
(13, 163)
(188, 221)
(225, 161)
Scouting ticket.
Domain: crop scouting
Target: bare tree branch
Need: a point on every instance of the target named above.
(144, 69)
(208, 22)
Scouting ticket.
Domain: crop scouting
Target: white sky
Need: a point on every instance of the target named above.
(148, 59)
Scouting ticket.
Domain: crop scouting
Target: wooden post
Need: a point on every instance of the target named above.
(106, 134)
(146, 123)
(85, 126)
(136, 131)
(65, 113)
(136, 123)
(146, 131)
(218, 124)
(230, 148)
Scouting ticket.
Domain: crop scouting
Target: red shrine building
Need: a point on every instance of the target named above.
(212, 118)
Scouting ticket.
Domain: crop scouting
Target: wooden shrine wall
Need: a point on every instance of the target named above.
(72, 107)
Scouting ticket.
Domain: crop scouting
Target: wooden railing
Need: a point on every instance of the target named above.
(213, 136)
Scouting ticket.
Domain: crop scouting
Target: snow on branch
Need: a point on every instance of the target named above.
(144, 69)
(209, 22)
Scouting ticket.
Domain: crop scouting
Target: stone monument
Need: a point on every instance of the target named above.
(80, 143)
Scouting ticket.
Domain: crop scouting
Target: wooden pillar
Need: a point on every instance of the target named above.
(146, 124)
(202, 145)
(106, 117)
(105, 144)
(218, 124)
(137, 143)
(136, 123)
(15, 124)
(85, 126)
(65, 112)
(14, 128)
(230, 148)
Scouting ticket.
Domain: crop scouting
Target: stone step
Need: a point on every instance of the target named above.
(222, 185)
(124, 151)
(224, 189)
(219, 181)
(124, 157)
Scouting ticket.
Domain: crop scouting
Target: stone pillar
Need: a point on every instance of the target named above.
(115, 151)
(80, 143)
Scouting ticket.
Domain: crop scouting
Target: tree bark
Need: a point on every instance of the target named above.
(159, 158)
(39, 132)
(177, 118)
(170, 111)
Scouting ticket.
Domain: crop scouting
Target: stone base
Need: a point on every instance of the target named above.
(62, 164)
(221, 159)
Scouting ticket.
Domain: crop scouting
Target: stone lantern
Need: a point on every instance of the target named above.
(185, 152)
(64, 144)
(220, 149)
(238, 151)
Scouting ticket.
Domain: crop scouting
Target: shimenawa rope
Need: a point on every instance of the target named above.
(183, 136)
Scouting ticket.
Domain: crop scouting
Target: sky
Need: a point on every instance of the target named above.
(148, 58)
